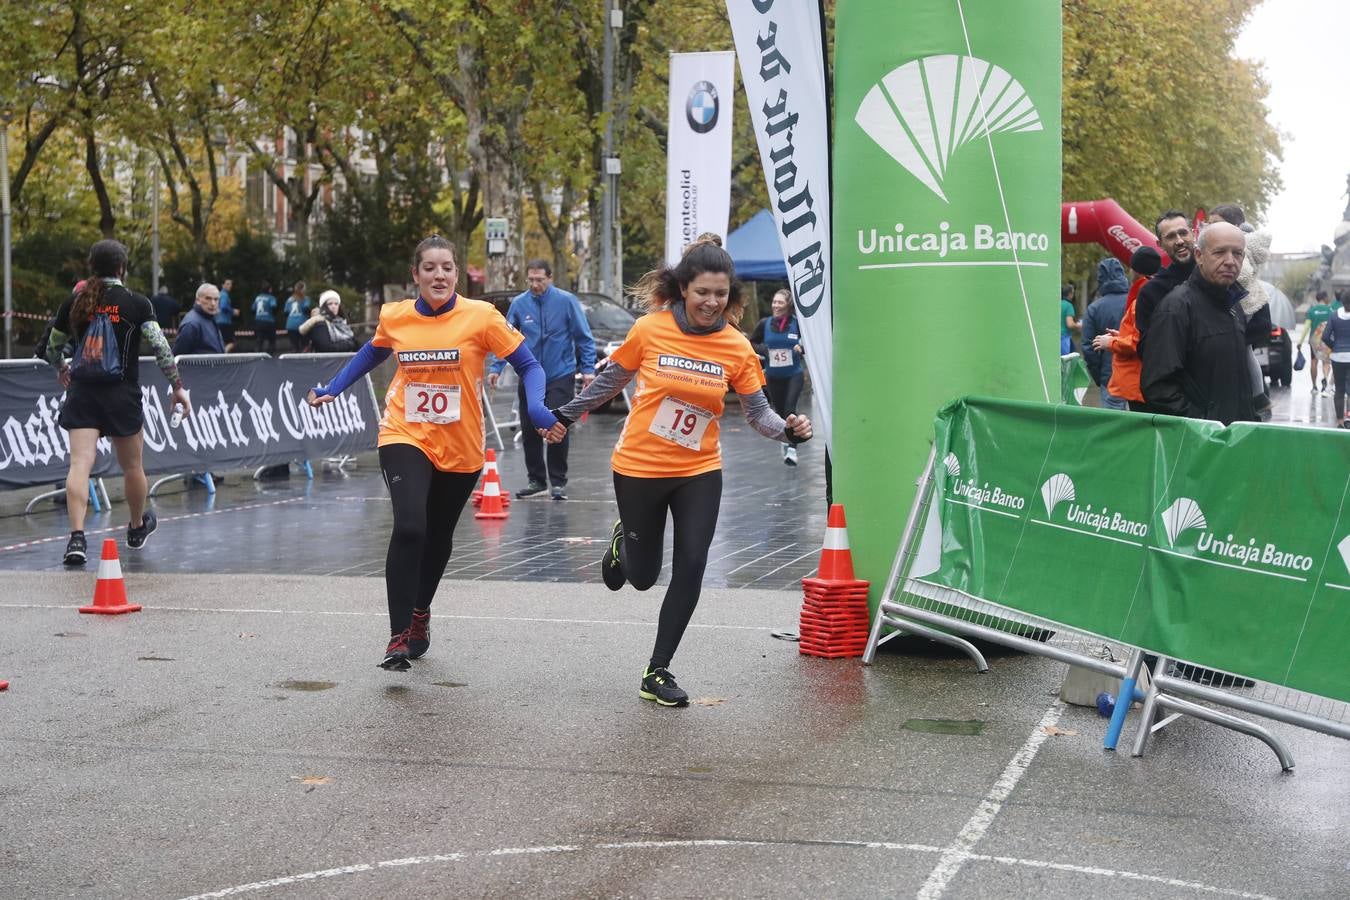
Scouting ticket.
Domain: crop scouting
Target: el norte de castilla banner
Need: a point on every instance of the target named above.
(1147, 542)
(698, 148)
(246, 413)
(946, 245)
(781, 51)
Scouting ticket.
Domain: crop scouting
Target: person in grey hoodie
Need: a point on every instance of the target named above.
(1102, 314)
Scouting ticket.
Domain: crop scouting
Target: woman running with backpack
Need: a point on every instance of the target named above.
(103, 388)
(686, 352)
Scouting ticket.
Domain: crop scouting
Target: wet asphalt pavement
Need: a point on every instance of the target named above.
(236, 738)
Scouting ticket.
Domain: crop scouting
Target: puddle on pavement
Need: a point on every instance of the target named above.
(449, 684)
(945, 726)
(69, 634)
(155, 659)
(306, 685)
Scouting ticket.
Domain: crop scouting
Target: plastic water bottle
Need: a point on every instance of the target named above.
(1106, 704)
(177, 418)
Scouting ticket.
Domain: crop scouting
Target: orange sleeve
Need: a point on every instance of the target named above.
(382, 337)
(749, 375)
(500, 337)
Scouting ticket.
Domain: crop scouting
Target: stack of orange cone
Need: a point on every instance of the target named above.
(834, 619)
(491, 506)
(490, 465)
(110, 593)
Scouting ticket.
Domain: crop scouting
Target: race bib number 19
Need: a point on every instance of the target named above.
(780, 357)
(680, 423)
(435, 404)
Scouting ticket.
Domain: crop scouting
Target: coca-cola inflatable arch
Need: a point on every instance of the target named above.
(1104, 222)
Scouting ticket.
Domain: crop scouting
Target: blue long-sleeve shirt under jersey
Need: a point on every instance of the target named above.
(526, 366)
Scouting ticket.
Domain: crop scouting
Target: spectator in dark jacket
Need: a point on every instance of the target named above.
(1178, 243)
(1336, 335)
(1104, 314)
(198, 332)
(166, 310)
(325, 328)
(1195, 357)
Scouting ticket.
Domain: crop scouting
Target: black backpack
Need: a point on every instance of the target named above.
(98, 357)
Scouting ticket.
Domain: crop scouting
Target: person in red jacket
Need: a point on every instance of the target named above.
(1123, 343)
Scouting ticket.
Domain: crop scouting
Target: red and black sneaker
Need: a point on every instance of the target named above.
(419, 634)
(396, 654)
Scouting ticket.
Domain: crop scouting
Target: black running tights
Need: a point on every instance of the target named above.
(784, 394)
(427, 504)
(1341, 386)
(693, 502)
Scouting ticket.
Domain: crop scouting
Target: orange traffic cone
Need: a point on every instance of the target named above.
(836, 562)
(492, 507)
(110, 593)
(490, 466)
(4, 685)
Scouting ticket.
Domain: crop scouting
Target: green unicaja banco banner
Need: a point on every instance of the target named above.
(1227, 547)
(946, 234)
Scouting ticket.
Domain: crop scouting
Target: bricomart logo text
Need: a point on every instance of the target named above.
(428, 356)
(924, 111)
(700, 366)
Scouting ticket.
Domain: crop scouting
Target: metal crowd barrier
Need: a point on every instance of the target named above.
(948, 616)
(336, 462)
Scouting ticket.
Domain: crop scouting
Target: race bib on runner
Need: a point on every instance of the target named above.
(780, 357)
(435, 404)
(680, 423)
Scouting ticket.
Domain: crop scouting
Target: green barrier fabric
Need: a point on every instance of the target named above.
(946, 252)
(1074, 379)
(1229, 547)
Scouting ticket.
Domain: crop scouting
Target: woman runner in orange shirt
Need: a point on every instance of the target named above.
(685, 353)
(431, 434)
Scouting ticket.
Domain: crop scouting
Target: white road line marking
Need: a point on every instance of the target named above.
(285, 880)
(193, 515)
(974, 830)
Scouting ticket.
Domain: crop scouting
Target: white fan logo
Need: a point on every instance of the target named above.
(1056, 490)
(1184, 513)
(1344, 547)
(923, 111)
(952, 465)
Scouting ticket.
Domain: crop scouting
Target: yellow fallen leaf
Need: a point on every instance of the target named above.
(1056, 731)
(316, 779)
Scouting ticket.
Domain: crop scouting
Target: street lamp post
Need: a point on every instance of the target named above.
(6, 116)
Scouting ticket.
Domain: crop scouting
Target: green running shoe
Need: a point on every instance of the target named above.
(610, 568)
(659, 685)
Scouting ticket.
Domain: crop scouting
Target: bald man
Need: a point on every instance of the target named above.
(1195, 358)
(197, 333)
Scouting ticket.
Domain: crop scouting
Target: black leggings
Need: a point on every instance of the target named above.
(693, 502)
(784, 394)
(1340, 371)
(427, 504)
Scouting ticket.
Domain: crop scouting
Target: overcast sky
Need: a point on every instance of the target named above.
(1305, 48)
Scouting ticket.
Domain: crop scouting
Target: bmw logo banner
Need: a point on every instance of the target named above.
(698, 160)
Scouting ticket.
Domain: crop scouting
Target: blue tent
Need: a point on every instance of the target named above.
(755, 250)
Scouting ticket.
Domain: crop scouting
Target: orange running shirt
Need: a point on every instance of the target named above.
(433, 402)
(681, 381)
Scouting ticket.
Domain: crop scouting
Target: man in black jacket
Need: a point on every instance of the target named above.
(1176, 240)
(1195, 358)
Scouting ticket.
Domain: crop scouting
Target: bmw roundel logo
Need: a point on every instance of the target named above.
(701, 107)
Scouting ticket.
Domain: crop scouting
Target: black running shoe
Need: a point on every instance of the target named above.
(136, 537)
(77, 550)
(419, 634)
(396, 654)
(659, 685)
(529, 490)
(610, 568)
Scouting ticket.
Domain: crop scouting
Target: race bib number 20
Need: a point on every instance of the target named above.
(681, 423)
(435, 404)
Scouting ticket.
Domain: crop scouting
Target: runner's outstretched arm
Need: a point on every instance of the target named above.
(532, 376)
(164, 358)
(607, 384)
(763, 419)
(360, 365)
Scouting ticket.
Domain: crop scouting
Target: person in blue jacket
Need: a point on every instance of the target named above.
(297, 311)
(1336, 335)
(265, 319)
(778, 341)
(558, 336)
(1104, 314)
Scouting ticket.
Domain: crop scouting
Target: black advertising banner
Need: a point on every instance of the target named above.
(248, 411)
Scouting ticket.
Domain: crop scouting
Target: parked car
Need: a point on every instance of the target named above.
(1277, 357)
(609, 322)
